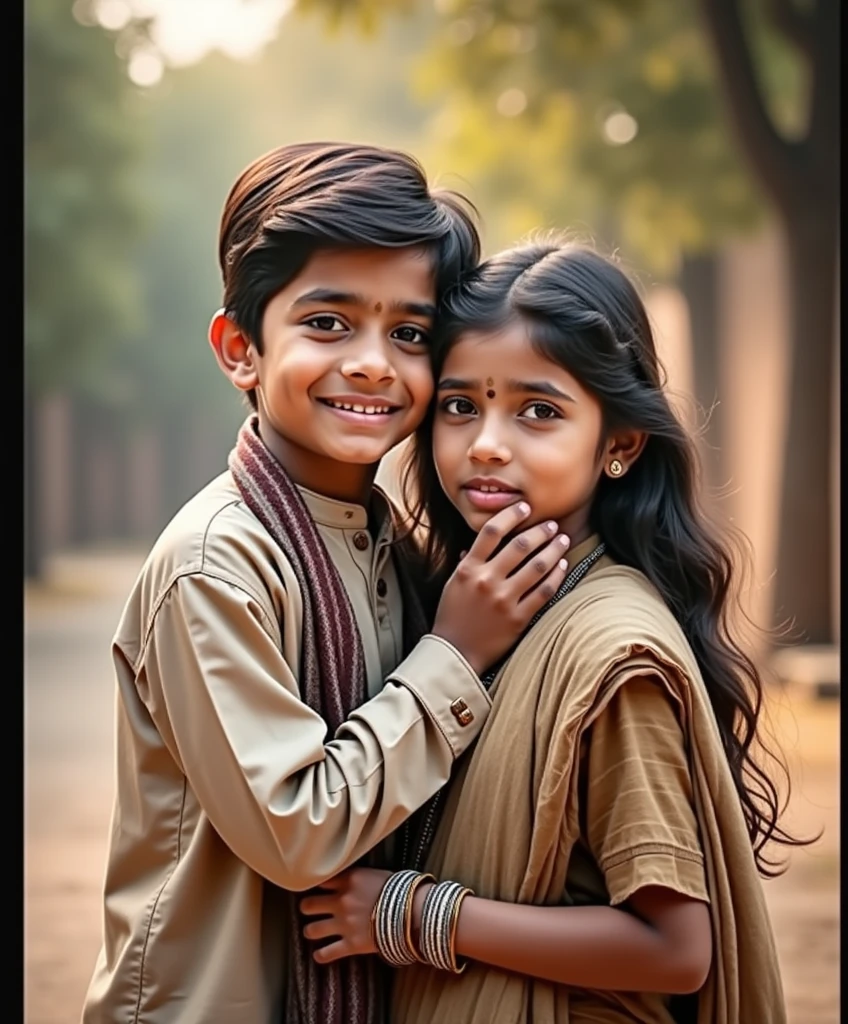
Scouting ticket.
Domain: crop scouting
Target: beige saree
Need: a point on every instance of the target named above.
(511, 819)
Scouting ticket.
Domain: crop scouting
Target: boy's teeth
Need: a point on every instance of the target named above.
(369, 410)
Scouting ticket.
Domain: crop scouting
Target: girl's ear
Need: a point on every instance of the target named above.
(622, 449)
(235, 354)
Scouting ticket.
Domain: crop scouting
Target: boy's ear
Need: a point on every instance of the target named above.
(624, 448)
(235, 354)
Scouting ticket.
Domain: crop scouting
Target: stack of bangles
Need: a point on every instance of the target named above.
(392, 922)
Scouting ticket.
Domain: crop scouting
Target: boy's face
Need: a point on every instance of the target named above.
(344, 374)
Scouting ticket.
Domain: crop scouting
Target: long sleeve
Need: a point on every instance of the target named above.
(295, 805)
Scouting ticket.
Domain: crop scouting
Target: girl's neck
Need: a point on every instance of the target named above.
(576, 527)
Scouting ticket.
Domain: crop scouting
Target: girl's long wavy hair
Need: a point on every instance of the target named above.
(583, 313)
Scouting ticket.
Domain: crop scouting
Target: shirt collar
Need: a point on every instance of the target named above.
(581, 550)
(345, 515)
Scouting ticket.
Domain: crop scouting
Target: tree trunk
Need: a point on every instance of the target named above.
(699, 284)
(805, 561)
(33, 532)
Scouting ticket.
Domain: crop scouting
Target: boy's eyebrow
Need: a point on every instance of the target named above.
(537, 387)
(422, 309)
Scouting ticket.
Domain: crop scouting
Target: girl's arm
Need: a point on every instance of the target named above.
(662, 943)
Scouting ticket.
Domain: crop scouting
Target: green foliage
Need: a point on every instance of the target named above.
(81, 208)
(123, 316)
(524, 89)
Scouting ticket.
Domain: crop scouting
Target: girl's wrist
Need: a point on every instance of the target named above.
(417, 906)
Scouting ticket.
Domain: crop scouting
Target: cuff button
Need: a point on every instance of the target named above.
(462, 712)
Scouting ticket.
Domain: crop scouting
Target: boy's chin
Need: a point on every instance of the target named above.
(359, 454)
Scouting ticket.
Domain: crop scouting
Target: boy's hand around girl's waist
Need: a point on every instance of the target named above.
(491, 597)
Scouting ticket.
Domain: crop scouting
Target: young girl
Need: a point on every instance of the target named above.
(608, 827)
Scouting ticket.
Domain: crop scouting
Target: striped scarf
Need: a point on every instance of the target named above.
(332, 683)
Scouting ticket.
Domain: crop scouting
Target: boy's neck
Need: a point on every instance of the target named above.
(342, 481)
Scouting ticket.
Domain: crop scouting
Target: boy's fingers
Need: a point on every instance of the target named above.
(497, 528)
(534, 541)
(538, 570)
(544, 589)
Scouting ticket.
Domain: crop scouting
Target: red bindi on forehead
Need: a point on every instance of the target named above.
(378, 307)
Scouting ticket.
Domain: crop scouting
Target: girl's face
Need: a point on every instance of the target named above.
(512, 425)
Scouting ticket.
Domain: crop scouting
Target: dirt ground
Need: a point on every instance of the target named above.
(68, 789)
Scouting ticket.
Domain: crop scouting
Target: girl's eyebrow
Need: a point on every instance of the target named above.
(537, 387)
(529, 387)
(455, 384)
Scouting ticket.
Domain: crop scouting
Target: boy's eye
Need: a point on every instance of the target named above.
(459, 406)
(410, 335)
(541, 411)
(326, 322)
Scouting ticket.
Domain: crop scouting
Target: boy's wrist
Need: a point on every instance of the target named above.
(473, 662)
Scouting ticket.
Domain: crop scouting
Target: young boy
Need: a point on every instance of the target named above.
(251, 763)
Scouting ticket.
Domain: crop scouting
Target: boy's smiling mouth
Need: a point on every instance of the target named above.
(360, 409)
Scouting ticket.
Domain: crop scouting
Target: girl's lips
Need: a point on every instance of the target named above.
(490, 501)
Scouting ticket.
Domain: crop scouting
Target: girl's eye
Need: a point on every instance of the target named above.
(459, 406)
(326, 322)
(541, 411)
(410, 335)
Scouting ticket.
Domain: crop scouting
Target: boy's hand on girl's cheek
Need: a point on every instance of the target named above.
(506, 576)
(342, 909)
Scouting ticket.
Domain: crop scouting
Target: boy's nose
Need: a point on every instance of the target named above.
(370, 360)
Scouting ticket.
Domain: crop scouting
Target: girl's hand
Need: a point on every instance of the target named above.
(345, 905)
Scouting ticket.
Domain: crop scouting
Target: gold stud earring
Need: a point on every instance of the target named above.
(616, 468)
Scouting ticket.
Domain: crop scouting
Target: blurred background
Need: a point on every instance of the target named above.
(698, 139)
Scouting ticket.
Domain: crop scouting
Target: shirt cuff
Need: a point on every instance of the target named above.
(448, 689)
(659, 864)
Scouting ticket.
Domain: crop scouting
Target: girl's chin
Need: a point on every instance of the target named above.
(476, 519)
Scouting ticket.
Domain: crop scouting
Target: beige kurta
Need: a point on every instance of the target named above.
(517, 826)
(226, 778)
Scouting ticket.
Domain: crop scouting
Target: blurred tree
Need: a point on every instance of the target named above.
(81, 217)
(609, 114)
(800, 173)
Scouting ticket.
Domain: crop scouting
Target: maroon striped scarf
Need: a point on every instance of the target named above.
(332, 683)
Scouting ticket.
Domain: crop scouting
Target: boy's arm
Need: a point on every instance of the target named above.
(296, 805)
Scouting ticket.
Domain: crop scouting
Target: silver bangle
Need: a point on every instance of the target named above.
(439, 917)
(391, 918)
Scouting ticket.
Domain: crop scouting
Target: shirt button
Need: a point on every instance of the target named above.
(462, 712)
(381, 588)
(360, 541)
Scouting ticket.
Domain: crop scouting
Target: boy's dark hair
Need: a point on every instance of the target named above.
(300, 198)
